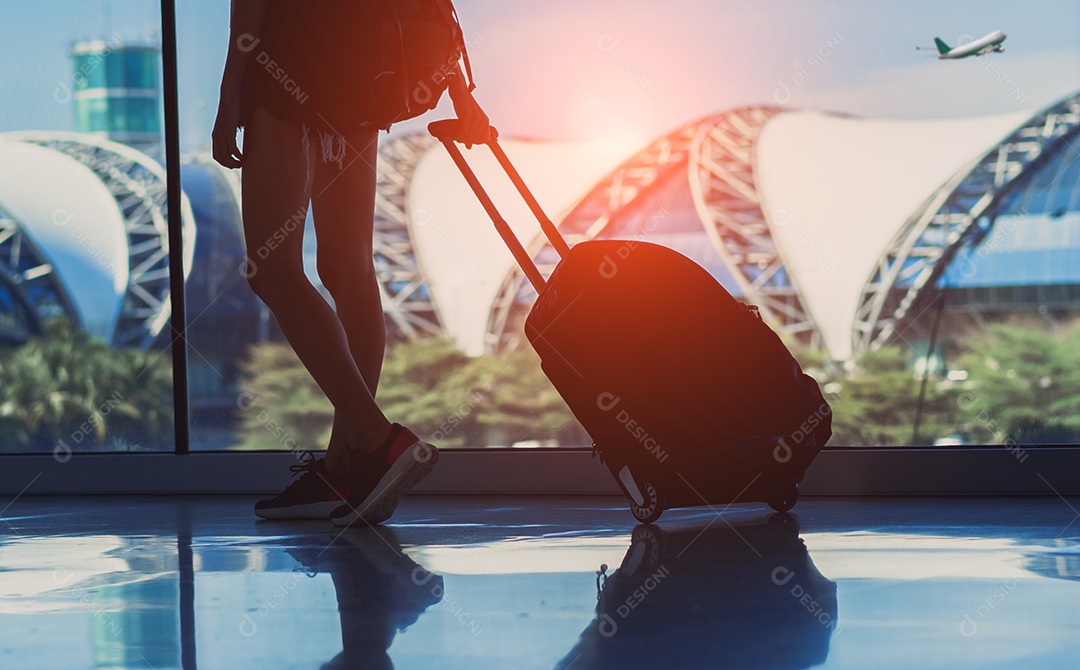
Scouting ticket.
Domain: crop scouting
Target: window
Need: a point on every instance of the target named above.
(918, 252)
(85, 357)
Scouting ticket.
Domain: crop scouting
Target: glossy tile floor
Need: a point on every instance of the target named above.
(512, 583)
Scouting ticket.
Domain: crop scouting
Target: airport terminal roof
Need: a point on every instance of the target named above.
(838, 189)
(73, 219)
(837, 193)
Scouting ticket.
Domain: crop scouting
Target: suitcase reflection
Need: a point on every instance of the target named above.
(744, 595)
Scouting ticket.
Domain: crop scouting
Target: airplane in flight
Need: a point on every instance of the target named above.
(991, 42)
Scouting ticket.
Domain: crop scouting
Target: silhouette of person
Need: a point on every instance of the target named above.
(298, 79)
(745, 595)
(380, 591)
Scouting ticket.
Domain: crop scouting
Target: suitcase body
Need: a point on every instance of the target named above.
(688, 396)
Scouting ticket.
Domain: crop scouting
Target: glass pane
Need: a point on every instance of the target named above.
(84, 349)
(906, 223)
(225, 317)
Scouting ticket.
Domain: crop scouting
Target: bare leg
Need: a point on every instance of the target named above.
(343, 201)
(276, 190)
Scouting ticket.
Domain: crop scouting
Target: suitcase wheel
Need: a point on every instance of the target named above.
(784, 498)
(653, 507)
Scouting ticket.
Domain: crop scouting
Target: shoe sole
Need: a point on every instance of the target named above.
(319, 510)
(407, 471)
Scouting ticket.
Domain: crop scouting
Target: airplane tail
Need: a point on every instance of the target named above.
(941, 46)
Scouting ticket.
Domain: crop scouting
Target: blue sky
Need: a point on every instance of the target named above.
(574, 69)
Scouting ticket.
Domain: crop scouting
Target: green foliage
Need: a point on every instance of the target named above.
(280, 405)
(490, 400)
(1023, 385)
(428, 385)
(877, 404)
(69, 386)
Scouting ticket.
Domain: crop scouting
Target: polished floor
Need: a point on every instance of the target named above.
(518, 583)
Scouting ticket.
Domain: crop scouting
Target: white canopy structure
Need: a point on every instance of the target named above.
(93, 211)
(837, 227)
(836, 190)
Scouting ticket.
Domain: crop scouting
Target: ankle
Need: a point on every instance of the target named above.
(337, 462)
(378, 440)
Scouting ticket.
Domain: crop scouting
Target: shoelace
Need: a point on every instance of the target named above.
(307, 461)
(305, 468)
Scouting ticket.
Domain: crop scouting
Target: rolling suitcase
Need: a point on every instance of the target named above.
(689, 397)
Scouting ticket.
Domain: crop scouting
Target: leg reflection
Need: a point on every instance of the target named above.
(380, 591)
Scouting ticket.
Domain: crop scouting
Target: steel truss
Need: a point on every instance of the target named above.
(623, 188)
(957, 216)
(721, 178)
(715, 155)
(405, 297)
(29, 279)
(137, 183)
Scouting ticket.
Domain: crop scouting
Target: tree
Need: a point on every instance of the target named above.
(1023, 385)
(280, 405)
(67, 386)
(429, 385)
(877, 404)
(456, 401)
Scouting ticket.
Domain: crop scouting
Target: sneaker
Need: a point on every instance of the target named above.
(313, 496)
(383, 476)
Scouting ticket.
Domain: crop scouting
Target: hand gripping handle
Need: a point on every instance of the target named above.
(448, 132)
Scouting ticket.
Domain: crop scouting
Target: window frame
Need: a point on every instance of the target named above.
(841, 471)
(837, 471)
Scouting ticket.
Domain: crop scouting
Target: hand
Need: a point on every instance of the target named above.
(225, 149)
(475, 125)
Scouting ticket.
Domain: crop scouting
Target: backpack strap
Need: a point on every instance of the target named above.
(450, 15)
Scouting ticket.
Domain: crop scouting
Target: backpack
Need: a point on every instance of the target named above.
(419, 43)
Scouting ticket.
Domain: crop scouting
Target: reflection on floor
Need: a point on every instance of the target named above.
(517, 583)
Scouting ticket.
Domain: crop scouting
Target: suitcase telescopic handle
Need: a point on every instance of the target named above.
(447, 132)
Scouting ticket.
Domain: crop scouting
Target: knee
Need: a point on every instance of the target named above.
(272, 281)
(345, 277)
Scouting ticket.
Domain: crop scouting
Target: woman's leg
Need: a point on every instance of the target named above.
(343, 202)
(279, 164)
